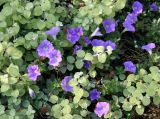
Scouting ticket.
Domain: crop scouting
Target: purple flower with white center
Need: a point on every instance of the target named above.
(96, 42)
(76, 48)
(149, 47)
(65, 84)
(87, 40)
(44, 48)
(33, 72)
(53, 31)
(31, 93)
(110, 46)
(102, 108)
(87, 64)
(55, 58)
(128, 26)
(129, 66)
(109, 25)
(96, 32)
(94, 94)
(137, 7)
(154, 7)
(74, 34)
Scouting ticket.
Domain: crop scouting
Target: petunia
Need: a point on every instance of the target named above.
(87, 40)
(31, 93)
(94, 94)
(110, 46)
(102, 108)
(87, 64)
(96, 42)
(53, 31)
(96, 32)
(76, 48)
(33, 72)
(129, 66)
(109, 25)
(131, 18)
(137, 7)
(65, 84)
(128, 27)
(74, 34)
(154, 7)
(44, 48)
(149, 47)
(55, 58)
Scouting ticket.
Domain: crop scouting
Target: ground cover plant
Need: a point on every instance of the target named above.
(79, 59)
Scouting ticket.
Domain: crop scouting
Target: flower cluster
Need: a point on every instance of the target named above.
(46, 50)
(131, 18)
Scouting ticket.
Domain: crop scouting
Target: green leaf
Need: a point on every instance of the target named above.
(4, 79)
(156, 100)
(98, 49)
(70, 67)
(75, 116)
(102, 57)
(45, 5)
(41, 24)
(84, 113)
(131, 89)
(29, 6)
(127, 106)
(66, 109)
(140, 109)
(79, 64)
(2, 108)
(7, 10)
(15, 93)
(84, 103)
(146, 100)
(4, 88)
(13, 70)
(1, 47)
(88, 56)
(92, 73)
(37, 11)
(53, 99)
(64, 102)
(14, 52)
(70, 59)
(122, 77)
(80, 53)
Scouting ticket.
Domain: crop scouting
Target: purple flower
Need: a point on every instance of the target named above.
(44, 48)
(87, 64)
(55, 58)
(131, 18)
(109, 25)
(128, 26)
(96, 32)
(76, 48)
(96, 42)
(53, 32)
(31, 93)
(129, 66)
(87, 40)
(111, 44)
(33, 72)
(74, 34)
(137, 7)
(154, 7)
(149, 47)
(102, 108)
(94, 94)
(65, 84)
